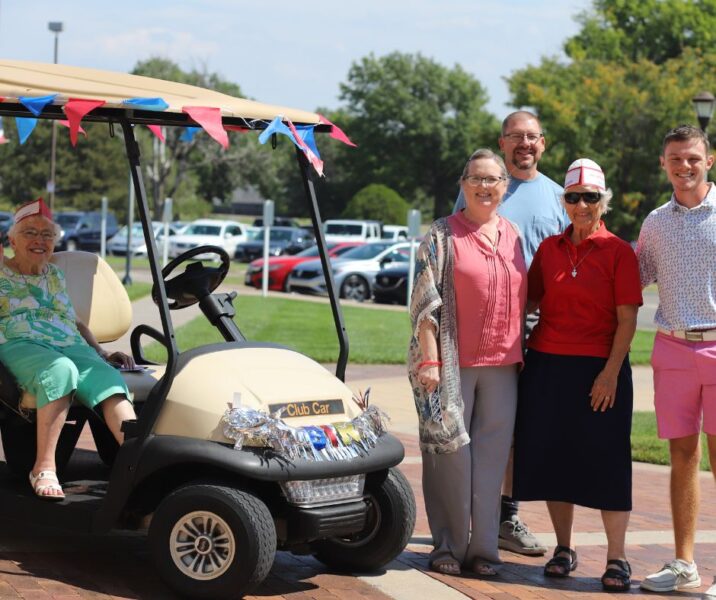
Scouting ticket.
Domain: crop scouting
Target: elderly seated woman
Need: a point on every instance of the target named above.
(49, 351)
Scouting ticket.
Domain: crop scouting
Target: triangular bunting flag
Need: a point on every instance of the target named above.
(337, 132)
(277, 126)
(312, 158)
(209, 118)
(307, 135)
(25, 126)
(156, 130)
(189, 133)
(147, 103)
(36, 104)
(67, 124)
(76, 109)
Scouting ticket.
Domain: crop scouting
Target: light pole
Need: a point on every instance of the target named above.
(55, 27)
(704, 103)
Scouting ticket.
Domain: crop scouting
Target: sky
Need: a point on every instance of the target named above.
(293, 53)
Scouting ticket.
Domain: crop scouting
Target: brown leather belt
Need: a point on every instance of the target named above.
(709, 335)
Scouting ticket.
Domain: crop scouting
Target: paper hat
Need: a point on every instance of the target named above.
(30, 209)
(585, 172)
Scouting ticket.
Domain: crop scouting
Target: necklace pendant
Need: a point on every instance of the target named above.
(574, 272)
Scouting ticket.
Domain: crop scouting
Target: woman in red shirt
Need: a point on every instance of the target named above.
(572, 435)
(466, 308)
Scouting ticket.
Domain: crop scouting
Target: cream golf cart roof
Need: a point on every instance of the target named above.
(24, 78)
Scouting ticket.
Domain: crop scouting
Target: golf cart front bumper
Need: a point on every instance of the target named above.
(262, 464)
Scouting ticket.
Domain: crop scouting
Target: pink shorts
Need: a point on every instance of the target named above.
(684, 386)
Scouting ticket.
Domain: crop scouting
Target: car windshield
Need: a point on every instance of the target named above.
(66, 220)
(343, 229)
(202, 229)
(255, 235)
(281, 235)
(365, 252)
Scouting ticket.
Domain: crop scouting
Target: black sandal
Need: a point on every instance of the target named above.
(563, 566)
(619, 570)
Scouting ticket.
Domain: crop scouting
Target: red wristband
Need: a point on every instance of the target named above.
(429, 363)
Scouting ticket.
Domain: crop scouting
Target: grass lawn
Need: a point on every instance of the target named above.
(641, 347)
(376, 336)
(648, 448)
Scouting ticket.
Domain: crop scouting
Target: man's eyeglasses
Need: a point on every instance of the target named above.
(588, 197)
(475, 181)
(518, 137)
(33, 234)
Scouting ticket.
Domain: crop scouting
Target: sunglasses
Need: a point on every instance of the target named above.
(588, 197)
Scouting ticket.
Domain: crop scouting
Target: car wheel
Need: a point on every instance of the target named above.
(212, 542)
(71, 246)
(356, 288)
(389, 525)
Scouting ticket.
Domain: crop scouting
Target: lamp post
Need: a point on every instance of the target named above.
(55, 27)
(704, 103)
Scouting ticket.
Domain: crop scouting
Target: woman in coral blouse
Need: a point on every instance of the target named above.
(466, 310)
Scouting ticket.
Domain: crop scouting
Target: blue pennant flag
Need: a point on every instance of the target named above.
(25, 126)
(189, 133)
(276, 126)
(147, 103)
(306, 133)
(36, 104)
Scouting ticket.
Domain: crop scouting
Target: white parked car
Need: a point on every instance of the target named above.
(349, 230)
(118, 244)
(213, 232)
(395, 233)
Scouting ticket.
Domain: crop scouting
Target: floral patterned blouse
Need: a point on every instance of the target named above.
(37, 307)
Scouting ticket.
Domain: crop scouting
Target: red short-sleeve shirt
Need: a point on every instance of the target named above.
(578, 313)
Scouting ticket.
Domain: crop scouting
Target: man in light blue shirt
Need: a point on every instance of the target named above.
(532, 203)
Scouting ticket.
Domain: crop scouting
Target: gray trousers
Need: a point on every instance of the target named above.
(463, 488)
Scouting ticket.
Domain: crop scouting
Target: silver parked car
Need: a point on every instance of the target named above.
(354, 272)
(118, 244)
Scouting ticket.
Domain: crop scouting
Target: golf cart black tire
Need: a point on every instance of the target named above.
(107, 446)
(391, 520)
(248, 519)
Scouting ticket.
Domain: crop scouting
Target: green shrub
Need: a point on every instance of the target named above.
(377, 202)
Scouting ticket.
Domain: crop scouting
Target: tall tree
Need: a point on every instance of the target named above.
(415, 122)
(654, 30)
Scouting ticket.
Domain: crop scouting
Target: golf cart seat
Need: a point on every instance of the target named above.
(101, 302)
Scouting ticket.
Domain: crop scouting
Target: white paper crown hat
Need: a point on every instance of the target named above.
(584, 171)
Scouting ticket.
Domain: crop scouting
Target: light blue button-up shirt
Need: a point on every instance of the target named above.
(677, 250)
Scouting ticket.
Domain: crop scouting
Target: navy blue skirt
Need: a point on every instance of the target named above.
(564, 450)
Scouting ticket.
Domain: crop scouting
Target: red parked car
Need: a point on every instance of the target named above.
(281, 266)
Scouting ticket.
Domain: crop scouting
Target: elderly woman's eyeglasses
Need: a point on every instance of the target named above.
(588, 197)
(33, 234)
(475, 181)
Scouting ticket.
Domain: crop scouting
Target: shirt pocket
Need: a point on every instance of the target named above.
(543, 227)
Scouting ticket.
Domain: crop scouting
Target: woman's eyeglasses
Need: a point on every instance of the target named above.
(475, 181)
(588, 197)
(33, 234)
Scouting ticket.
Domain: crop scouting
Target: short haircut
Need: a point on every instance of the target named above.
(685, 133)
(485, 153)
(518, 114)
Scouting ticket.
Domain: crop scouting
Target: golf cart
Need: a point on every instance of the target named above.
(240, 448)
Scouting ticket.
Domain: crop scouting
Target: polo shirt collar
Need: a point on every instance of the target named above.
(708, 203)
(598, 238)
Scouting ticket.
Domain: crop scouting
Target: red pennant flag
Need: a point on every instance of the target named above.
(210, 120)
(337, 132)
(76, 109)
(67, 124)
(156, 130)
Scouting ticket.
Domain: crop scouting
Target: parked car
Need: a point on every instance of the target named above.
(349, 230)
(394, 233)
(277, 222)
(118, 244)
(214, 232)
(83, 230)
(282, 240)
(354, 272)
(281, 266)
(391, 284)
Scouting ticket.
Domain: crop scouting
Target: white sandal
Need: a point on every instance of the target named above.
(40, 489)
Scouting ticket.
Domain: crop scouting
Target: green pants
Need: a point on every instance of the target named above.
(52, 372)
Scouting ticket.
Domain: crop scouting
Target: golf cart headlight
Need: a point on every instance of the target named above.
(324, 491)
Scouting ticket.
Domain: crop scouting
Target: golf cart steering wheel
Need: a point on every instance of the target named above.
(197, 281)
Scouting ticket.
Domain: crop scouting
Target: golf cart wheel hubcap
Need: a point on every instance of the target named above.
(202, 545)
